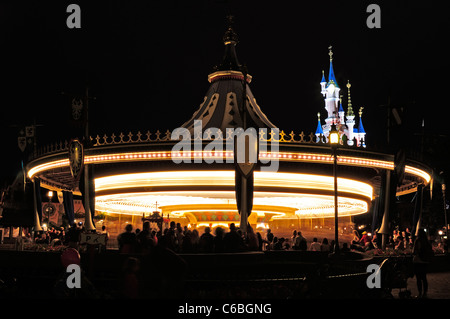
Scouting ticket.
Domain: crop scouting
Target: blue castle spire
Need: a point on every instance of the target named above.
(323, 78)
(331, 77)
(341, 109)
(319, 129)
(361, 127)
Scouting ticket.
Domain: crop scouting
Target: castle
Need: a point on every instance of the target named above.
(345, 123)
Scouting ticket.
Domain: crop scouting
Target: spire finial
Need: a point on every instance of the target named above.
(230, 18)
(331, 77)
(361, 111)
(230, 37)
(318, 115)
(349, 98)
(349, 108)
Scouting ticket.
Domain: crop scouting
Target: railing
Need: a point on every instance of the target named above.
(137, 138)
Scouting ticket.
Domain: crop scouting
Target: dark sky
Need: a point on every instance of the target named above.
(146, 63)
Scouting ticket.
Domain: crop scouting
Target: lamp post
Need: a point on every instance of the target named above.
(445, 216)
(334, 141)
(50, 195)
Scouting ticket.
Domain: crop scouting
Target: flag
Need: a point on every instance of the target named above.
(22, 143)
(76, 107)
(29, 131)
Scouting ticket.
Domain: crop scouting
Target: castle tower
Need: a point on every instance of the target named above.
(331, 95)
(350, 117)
(330, 90)
(341, 112)
(323, 83)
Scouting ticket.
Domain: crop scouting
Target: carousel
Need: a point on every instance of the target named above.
(188, 174)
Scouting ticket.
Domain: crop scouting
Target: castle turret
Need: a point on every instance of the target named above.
(341, 112)
(323, 82)
(361, 131)
(319, 130)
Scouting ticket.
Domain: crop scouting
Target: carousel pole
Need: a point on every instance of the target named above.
(88, 224)
(37, 222)
(244, 192)
(385, 225)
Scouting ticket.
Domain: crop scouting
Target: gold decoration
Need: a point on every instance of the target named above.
(350, 109)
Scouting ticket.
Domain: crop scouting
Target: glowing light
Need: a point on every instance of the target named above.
(281, 156)
(47, 166)
(418, 172)
(214, 225)
(334, 135)
(266, 204)
(227, 178)
(114, 194)
(263, 226)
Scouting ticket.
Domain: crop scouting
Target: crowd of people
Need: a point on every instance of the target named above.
(59, 236)
(181, 239)
(184, 240)
(54, 236)
(400, 240)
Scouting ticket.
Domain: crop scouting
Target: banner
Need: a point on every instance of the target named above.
(25, 137)
(77, 112)
(93, 239)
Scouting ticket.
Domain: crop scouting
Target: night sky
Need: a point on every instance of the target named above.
(146, 63)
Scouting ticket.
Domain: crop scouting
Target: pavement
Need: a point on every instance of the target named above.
(438, 286)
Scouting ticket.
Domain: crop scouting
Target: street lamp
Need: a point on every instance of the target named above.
(334, 136)
(334, 141)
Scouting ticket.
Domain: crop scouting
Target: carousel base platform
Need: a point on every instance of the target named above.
(260, 275)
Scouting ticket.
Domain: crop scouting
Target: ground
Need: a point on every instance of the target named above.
(438, 286)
